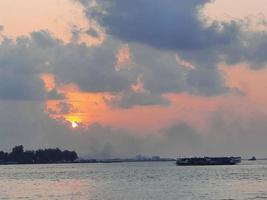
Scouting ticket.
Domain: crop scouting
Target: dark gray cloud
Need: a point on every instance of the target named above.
(159, 69)
(54, 95)
(24, 60)
(206, 82)
(129, 99)
(176, 25)
(250, 49)
(170, 24)
(19, 66)
(91, 68)
(62, 108)
(169, 27)
(161, 74)
(75, 34)
(92, 32)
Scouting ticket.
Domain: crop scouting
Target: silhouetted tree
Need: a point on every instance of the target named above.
(18, 149)
(28, 157)
(41, 157)
(3, 156)
(18, 155)
(69, 155)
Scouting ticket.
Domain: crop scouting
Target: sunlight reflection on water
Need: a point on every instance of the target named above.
(133, 181)
(45, 189)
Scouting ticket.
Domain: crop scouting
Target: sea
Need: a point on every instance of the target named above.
(134, 181)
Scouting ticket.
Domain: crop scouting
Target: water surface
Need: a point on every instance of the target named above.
(133, 181)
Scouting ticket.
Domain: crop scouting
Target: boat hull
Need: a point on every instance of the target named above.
(208, 161)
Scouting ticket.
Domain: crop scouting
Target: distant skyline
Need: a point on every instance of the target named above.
(111, 78)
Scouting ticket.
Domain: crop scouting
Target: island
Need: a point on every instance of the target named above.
(40, 156)
(56, 156)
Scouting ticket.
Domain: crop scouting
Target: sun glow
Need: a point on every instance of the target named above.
(74, 124)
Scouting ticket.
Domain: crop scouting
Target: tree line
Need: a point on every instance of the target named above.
(41, 156)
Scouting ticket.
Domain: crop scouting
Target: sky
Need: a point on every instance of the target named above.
(118, 78)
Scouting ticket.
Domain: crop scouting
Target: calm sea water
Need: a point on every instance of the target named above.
(134, 181)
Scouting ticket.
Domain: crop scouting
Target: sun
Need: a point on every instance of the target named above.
(74, 124)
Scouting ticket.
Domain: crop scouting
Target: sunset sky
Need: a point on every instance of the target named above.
(120, 77)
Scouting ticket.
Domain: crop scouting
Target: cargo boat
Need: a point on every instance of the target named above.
(208, 161)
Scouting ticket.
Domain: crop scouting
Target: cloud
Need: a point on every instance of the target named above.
(94, 69)
(157, 31)
(92, 32)
(177, 28)
(19, 66)
(179, 25)
(171, 24)
(206, 82)
(162, 73)
(230, 133)
(62, 108)
(75, 34)
(55, 95)
(248, 49)
(24, 60)
(129, 99)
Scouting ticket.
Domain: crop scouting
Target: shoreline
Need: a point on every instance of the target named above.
(89, 161)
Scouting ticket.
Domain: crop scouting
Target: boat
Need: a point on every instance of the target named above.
(208, 161)
(252, 159)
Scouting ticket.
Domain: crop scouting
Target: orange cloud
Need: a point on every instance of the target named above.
(91, 108)
(49, 81)
(123, 58)
(252, 11)
(223, 9)
(88, 108)
(139, 85)
(251, 82)
(20, 17)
